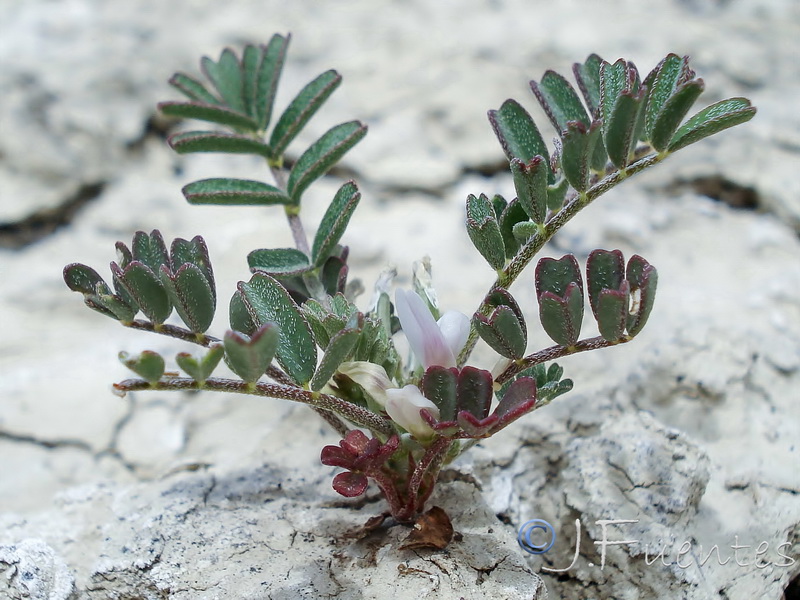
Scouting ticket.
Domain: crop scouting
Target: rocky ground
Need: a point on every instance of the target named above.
(691, 431)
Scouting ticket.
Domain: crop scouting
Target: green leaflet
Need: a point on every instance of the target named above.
(579, 145)
(150, 250)
(267, 77)
(215, 141)
(530, 183)
(267, 301)
(334, 222)
(503, 331)
(278, 261)
(559, 101)
(338, 350)
(200, 370)
(672, 113)
(226, 75)
(208, 112)
(711, 120)
(605, 269)
(229, 192)
(301, 109)
(484, 231)
(249, 357)
(322, 155)
(588, 77)
(148, 365)
(517, 133)
(190, 293)
(192, 89)
(662, 82)
(439, 385)
(194, 252)
(145, 288)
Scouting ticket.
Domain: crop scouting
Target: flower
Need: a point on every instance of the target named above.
(432, 342)
(371, 377)
(404, 405)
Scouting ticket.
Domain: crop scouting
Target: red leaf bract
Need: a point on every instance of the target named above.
(350, 484)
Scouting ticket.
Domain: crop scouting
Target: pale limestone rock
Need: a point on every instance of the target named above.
(32, 569)
(719, 362)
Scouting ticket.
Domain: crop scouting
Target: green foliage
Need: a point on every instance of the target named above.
(249, 356)
(295, 322)
(148, 365)
(200, 370)
(484, 230)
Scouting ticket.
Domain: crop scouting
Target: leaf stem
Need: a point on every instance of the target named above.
(554, 352)
(292, 214)
(431, 461)
(173, 331)
(360, 416)
(532, 247)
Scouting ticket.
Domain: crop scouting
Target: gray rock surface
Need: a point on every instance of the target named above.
(691, 430)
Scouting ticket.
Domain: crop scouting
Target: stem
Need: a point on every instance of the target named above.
(292, 214)
(577, 202)
(554, 352)
(173, 331)
(432, 459)
(360, 416)
(389, 492)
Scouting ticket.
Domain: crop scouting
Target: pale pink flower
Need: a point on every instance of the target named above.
(432, 342)
(403, 406)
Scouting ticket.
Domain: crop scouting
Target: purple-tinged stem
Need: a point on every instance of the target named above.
(554, 352)
(360, 416)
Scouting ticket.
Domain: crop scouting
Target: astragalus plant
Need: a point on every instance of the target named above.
(296, 331)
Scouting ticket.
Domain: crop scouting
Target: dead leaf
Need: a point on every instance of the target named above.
(432, 530)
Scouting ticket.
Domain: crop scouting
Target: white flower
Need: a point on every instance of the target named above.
(403, 406)
(371, 377)
(432, 342)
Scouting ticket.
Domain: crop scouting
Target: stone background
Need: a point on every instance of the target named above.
(692, 430)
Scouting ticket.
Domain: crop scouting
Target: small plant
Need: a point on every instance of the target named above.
(296, 332)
